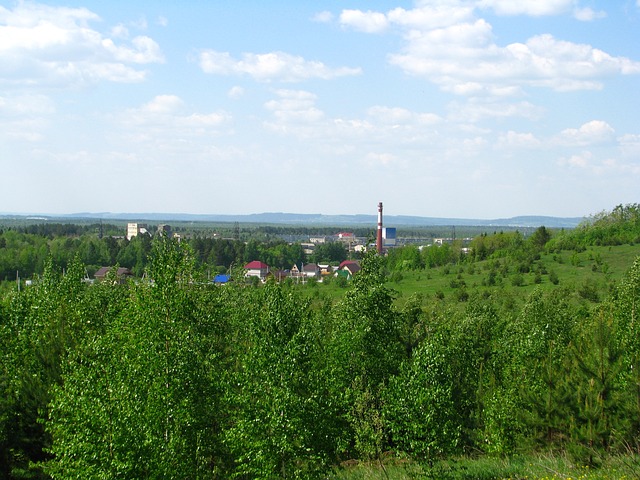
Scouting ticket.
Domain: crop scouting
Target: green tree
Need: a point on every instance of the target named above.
(365, 349)
(420, 405)
(41, 326)
(598, 398)
(141, 400)
(329, 252)
(273, 402)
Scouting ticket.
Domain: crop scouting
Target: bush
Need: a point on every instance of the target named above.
(341, 281)
(589, 291)
(517, 280)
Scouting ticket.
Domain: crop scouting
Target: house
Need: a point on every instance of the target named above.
(349, 266)
(122, 274)
(311, 270)
(325, 269)
(308, 247)
(257, 269)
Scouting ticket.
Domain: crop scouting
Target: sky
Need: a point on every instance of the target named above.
(439, 108)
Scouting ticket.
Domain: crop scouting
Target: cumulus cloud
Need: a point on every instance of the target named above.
(42, 44)
(294, 106)
(167, 116)
(513, 139)
(540, 8)
(369, 22)
(270, 66)
(580, 160)
(535, 8)
(431, 16)
(447, 44)
(473, 59)
(295, 113)
(590, 133)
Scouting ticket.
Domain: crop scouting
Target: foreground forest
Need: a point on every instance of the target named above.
(173, 377)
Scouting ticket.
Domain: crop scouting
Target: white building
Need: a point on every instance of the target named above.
(135, 229)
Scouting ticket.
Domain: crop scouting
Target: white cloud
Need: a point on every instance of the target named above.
(369, 22)
(293, 107)
(476, 110)
(587, 14)
(270, 66)
(166, 117)
(535, 8)
(590, 133)
(235, 92)
(581, 160)
(163, 104)
(463, 59)
(41, 44)
(518, 140)
(143, 50)
(431, 16)
(428, 16)
(395, 116)
(595, 166)
(447, 45)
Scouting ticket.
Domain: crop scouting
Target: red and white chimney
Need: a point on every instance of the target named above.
(379, 234)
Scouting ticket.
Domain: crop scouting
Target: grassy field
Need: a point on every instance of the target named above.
(587, 275)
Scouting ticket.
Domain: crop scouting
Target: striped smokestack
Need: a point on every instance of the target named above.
(379, 234)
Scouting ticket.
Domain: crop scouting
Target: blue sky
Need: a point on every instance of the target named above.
(443, 108)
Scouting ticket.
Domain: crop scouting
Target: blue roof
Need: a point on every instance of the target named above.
(221, 278)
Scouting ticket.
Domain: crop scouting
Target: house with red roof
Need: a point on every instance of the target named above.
(349, 266)
(257, 269)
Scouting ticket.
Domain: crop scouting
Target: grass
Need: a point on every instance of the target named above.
(542, 467)
(589, 275)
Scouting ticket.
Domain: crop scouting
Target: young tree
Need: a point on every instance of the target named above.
(365, 349)
(273, 407)
(141, 399)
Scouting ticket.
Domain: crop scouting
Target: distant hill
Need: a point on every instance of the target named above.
(318, 219)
